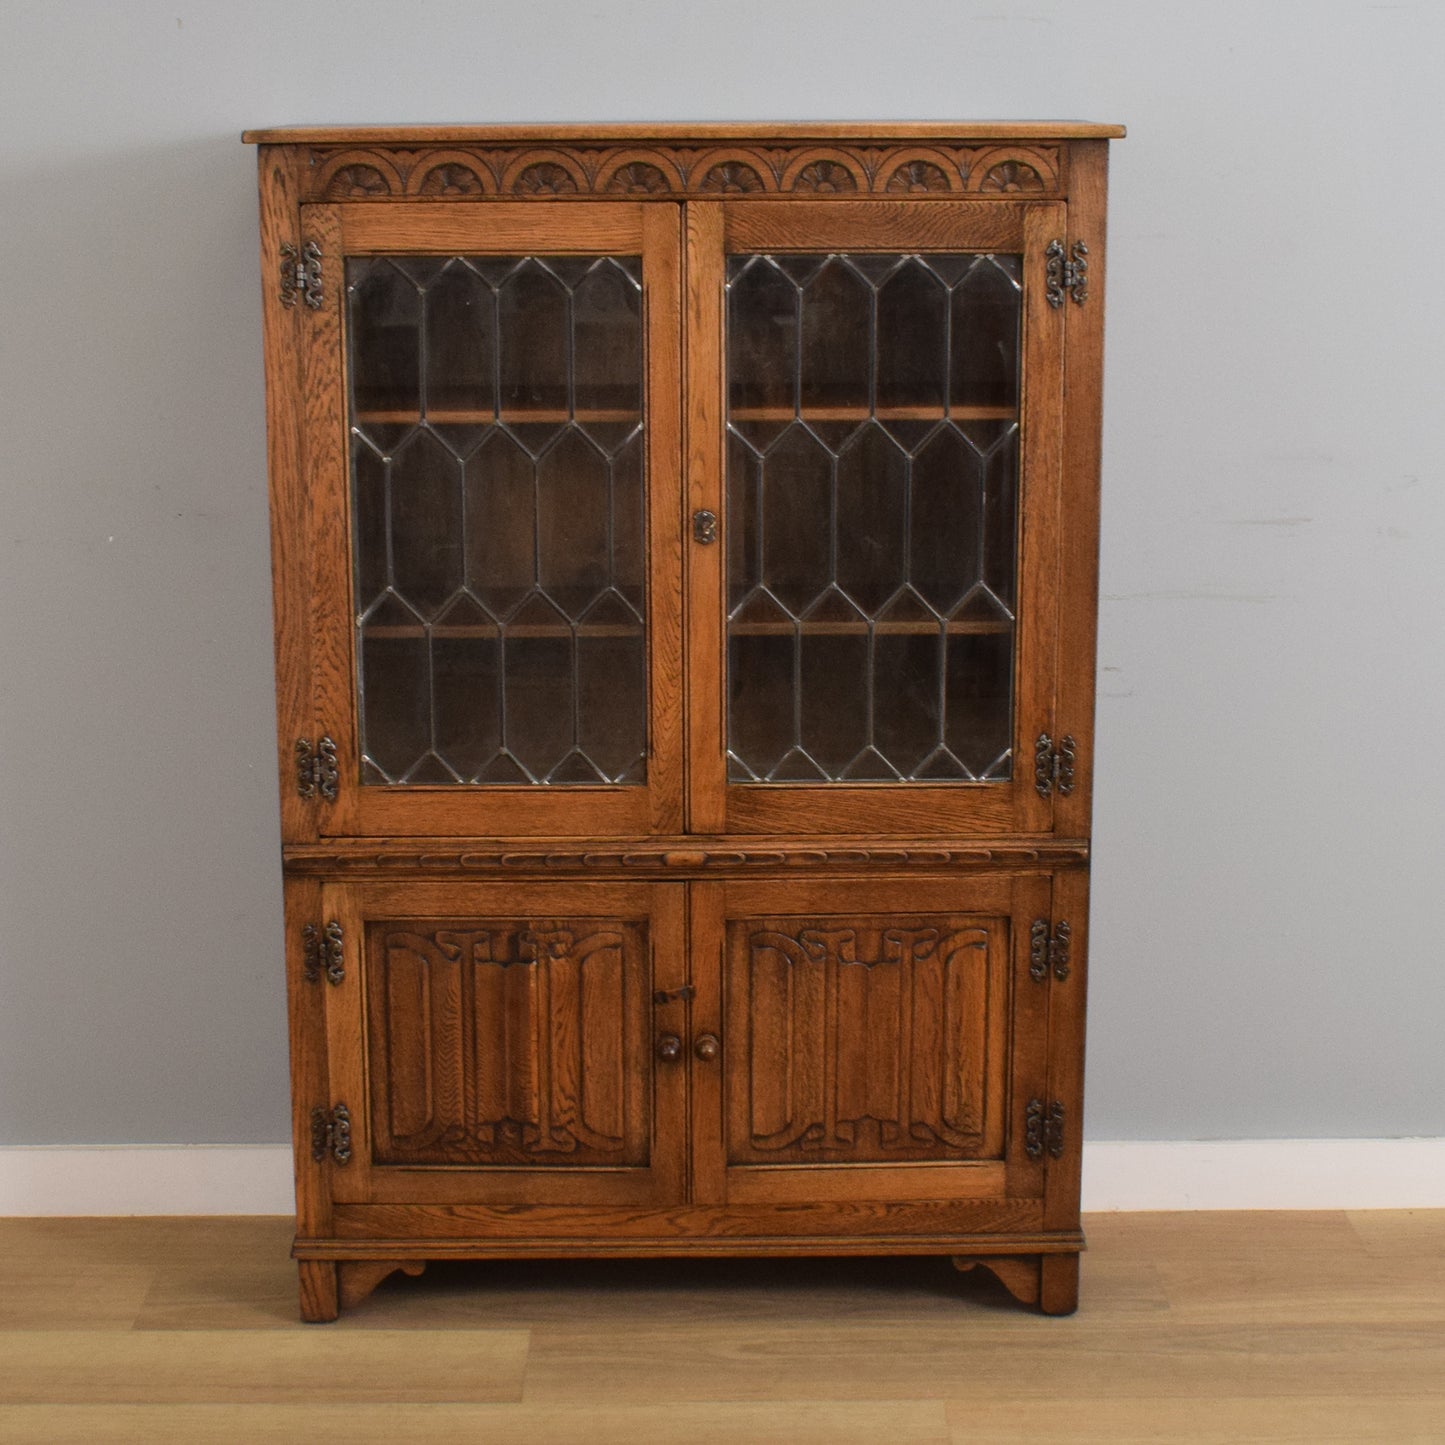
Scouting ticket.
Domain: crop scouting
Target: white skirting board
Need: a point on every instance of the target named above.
(1118, 1176)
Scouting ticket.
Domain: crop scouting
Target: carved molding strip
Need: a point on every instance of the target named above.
(310, 860)
(734, 172)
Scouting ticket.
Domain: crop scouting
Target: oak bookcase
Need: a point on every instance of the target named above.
(685, 554)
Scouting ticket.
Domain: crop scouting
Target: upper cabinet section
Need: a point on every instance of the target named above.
(739, 494)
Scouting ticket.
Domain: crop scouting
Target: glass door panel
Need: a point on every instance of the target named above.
(505, 382)
(496, 414)
(872, 471)
(887, 475)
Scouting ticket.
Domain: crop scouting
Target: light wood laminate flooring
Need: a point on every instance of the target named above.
(1193, 1327)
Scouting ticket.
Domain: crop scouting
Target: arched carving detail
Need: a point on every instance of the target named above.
(916, 172)
(450, 174)
(639, 172)
(1008, 170)
(735, 171)
(358, 176)
(731, 172)
(825, 172)
(545, 173)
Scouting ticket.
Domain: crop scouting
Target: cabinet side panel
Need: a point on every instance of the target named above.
(1083, 423)
(290, 594)
(310, 1084)
(1067, 994)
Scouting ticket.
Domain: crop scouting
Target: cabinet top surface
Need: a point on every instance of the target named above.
(712, 131)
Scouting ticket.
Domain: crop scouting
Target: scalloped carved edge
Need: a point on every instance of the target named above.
(309, 859)
(356, 1278)
(1049, 1282)
(734, 171)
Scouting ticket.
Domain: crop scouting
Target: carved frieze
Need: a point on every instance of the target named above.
(686, 859)
(735, 171)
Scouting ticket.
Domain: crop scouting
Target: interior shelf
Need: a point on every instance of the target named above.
(860, 629)
(879, 413)
(489, 416)
(489, 630)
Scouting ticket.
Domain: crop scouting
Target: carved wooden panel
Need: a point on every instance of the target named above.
(508, 1042)
(865, 1039)
(737, 171)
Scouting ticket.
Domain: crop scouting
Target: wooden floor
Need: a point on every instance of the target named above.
(1193, 1327)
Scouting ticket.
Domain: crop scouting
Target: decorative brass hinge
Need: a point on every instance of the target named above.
(1044, 1131)
(1049, 951)
(331, 1134)
(317, 773)
(1054, 766)
(1066, 272)
(301, 275)
(324, 948)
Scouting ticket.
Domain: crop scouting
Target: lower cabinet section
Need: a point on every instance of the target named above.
(821, 1065)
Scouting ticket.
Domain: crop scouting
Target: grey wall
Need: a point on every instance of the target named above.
(1272, 719)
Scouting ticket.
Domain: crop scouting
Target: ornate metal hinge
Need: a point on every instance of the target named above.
(324, 948)
(316, 769)
(1049, 952)
(1054, 767)
(331, 1134)
(1066, 272)
(1044, 1131)
(301, 275)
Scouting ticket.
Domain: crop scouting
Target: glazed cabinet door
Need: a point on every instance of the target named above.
(501, 1045)
(491, 443)
(874, 423)
(878, 1040)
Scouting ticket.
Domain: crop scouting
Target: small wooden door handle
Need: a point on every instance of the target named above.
(669, 1048)
(707, 1047)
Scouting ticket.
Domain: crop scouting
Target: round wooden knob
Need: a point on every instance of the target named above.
(707, 1047)
(669, 1048)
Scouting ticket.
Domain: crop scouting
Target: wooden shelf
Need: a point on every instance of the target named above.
(878, 413)
(491, 630)
(486, 416)
(861, 629)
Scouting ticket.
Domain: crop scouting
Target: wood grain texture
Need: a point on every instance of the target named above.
(1082, 461)
(510, 1044)
(913, 1102)
(710, 1423)
(285, 444)
(1289, 1349)
(1066, 995)
(703, 379)
(406, 167)
(694, 130)
(224, 1366)
(682, 856)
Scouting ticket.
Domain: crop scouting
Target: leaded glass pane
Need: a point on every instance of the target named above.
(872, 493)
(498, 518)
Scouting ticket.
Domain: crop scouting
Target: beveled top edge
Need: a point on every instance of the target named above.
(710, 131)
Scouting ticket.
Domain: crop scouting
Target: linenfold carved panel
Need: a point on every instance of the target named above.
(859, 1040)
(740, 170)
(507, 1043)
